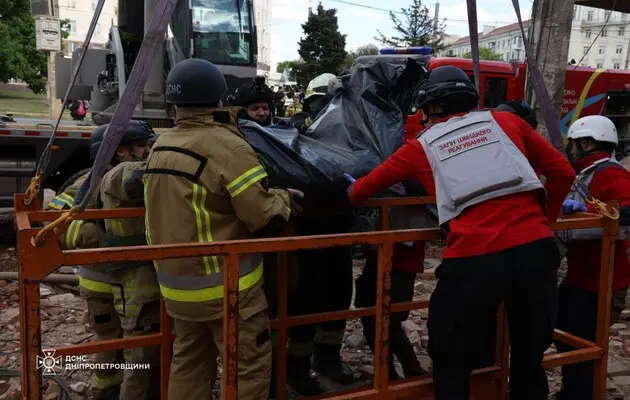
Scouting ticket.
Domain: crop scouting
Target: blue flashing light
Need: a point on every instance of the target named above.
(422, 50)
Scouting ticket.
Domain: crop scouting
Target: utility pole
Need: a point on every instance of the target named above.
(550, 33)
(436, 19)
(53, 103)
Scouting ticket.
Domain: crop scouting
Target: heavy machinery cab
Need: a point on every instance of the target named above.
(220, 31)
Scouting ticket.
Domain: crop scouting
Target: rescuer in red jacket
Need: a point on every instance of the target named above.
(592, 142)
(499, 247)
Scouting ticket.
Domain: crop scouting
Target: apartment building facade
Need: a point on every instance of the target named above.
(599, 39)
(263, 27)
(79, 13)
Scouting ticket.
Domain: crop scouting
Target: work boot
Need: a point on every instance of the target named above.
(299, 376)
(327, 362)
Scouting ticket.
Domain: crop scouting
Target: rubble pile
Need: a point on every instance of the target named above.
(64, 323)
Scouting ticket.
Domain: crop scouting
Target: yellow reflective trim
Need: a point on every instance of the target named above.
(105, 382)
(95, 286)
(204, 231)
(246, 180)
(56, 204)
(580, 104)
(72, 234)
(66, 198)
(213, 293)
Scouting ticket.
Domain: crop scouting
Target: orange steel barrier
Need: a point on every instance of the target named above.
(488, 383)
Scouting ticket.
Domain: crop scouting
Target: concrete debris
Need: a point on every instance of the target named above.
(354, 341)
(9, 316)
(52, 391)
(618, 327)
(4, 386)
(80, 387)
(45, 290)
(11, 390)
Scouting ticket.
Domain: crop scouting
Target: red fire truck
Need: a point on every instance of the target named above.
(587, 91)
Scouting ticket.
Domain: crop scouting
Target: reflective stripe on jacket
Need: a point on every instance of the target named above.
(204, 183)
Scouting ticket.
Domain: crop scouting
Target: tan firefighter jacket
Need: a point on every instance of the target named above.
(82, 234)
(136, 282)
(204, 183)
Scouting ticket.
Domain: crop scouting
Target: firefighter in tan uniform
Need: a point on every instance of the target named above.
(134, 284)
(94, 281)
(204, 183)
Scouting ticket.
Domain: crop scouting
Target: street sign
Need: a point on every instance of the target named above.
(47, 33)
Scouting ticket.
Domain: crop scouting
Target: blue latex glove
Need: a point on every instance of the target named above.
(571, 206)
(351, 180)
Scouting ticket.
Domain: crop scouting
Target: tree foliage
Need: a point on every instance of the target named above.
(486, 54)
(417, 28)
(365, 50)
(19, 58)
(322, 48)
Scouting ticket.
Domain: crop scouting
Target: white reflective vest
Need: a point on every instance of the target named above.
(473, 160)
(581, 186)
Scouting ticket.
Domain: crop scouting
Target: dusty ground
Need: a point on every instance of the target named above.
(63, 323)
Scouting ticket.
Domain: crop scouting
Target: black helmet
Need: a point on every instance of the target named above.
(136, 130)
(254, 92)
(522, 109)
(448, 87)
(195, 82)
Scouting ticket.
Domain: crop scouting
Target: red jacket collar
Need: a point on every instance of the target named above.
(586, 161)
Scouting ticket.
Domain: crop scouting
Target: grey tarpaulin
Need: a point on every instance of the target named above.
(154, 36)
(361, 126)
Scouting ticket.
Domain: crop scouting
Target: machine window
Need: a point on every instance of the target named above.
(495, 92)
(222, 31)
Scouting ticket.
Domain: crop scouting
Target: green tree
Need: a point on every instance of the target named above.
(292, 65)
(486, 54)
(19, 58)
(418, 28)
(365, 50)
(322, 48)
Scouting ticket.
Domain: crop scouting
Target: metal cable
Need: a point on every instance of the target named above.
(153, 38)
(44, 159)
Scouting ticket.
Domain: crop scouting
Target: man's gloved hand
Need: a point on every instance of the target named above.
(296, 208)
(571, 206)
(351, 180)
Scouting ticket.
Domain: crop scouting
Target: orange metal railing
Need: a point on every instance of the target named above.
(35, 262)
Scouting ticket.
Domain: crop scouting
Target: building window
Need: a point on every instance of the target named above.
(605, 33)
(600, 65)
(616, 66)
(585, 49)
(601, 50)
(622, 30)
(514, 42)
(71, 47)
(94, 3)
(619, 50)
(513, 57)
(496, 92)
(98, 29)
(588, 33)
(589, 16)
(73, 26)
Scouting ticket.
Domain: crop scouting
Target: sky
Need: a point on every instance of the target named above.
(361, 21)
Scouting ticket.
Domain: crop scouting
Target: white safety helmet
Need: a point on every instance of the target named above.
(596, 127)
(319, 85)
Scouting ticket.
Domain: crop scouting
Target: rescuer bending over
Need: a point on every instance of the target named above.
(499, 246)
